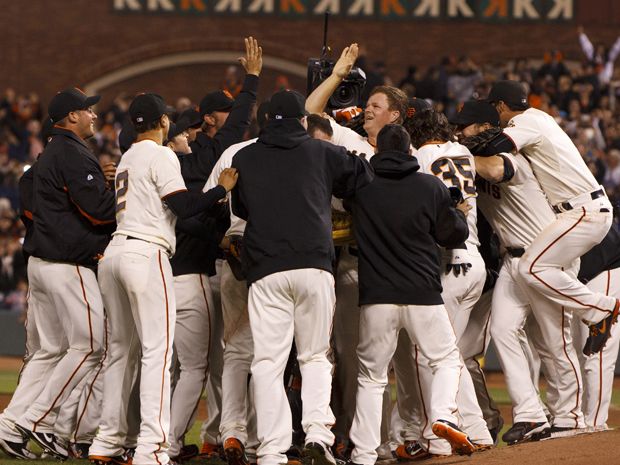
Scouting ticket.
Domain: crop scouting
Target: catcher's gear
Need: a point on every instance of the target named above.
(488, 143)
(233, 257)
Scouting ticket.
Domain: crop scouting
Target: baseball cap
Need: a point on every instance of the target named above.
(146, 108)
(192, 116)
(69, 100)
(416, 105)
(476, 112)
(513, 93)
(287, 104)
(220, 100)
(177, 128)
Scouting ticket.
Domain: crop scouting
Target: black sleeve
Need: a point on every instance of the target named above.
(350, 172)
(186, 204)
(25, 186)
(87, 189)
(501, 143)
(451, 228)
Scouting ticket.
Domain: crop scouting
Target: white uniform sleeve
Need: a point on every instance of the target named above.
(523, 133)
(350, 140)
(224, 162)
(166, 173)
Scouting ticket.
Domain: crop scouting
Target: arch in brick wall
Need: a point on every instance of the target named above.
(186, 58)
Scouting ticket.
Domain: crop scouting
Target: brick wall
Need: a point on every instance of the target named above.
(47, 45)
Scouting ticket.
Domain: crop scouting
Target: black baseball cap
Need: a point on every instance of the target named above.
(146, 108)
(192, 116)
(476, 112)
(177, 128)
(512, 93)
(416, 105)
(220, 100)
(287, 104)
(69, 100)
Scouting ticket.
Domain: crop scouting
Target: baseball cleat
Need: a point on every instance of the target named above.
(211, 451)
(495, 431)
(17, 450)
(48, 442)
(316, 454)
(235, 452)
(458, 440)
(599, 332)
(524, 430)
(186, 453)
(105, 460)
(411, 450)
(79, 450)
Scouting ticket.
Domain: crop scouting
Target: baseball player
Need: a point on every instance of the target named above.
(396, 245)
(288, 259)
(238, 431)
(600, 271)
(465, 273)
(515, 206)
(385, 105)
(72, 212)
(198, 340)
(137, 285)
(584, 214)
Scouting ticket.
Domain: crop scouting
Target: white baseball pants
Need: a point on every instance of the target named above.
(427, 326)
(192, 340)
(138, 291)
(512, 304)
(238, 420)
(39, 362)
(571, 235)
(69, 317)
(291, 304)
(598, 369)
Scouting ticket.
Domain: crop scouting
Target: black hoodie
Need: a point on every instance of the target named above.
(399, 219)
(286, 181)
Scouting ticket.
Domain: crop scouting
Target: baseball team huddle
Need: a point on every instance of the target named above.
(449, 234)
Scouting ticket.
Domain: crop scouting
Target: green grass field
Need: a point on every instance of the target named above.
(8, 382)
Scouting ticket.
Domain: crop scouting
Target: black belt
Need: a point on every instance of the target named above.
(567, 206)
(132, 238)
(515, 251)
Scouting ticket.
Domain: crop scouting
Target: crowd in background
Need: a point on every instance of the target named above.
(584, 104)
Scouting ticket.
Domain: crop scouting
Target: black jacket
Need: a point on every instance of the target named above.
(25, 205)
(73, 210)
(602, 257)
(399, 219)
(198, 238)
(286, 181)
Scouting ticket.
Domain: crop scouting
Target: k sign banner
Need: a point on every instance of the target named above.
(474, 10)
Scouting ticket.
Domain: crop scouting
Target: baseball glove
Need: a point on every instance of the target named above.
(233, 257)
(478, 143)
(342, 228)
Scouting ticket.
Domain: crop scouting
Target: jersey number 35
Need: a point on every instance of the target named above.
(455, 172)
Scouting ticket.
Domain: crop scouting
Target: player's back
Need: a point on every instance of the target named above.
(146, 174)
(556, 162)
(454, 165)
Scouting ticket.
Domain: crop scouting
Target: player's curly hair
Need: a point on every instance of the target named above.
(429, 125)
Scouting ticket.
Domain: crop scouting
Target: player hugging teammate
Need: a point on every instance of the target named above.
(295, 360)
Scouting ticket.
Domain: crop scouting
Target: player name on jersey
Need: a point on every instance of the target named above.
(496, 10)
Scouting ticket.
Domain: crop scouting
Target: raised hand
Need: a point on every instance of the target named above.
(253, 60)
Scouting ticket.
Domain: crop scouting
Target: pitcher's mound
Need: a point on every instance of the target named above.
(583, 449)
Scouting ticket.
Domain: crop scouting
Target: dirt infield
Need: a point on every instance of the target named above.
(597, 448)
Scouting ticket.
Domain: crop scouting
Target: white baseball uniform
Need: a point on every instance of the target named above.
(584, 219)
(518, 210)
(598, 369)
(138, 291)
(454, 165)
(238, 348)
